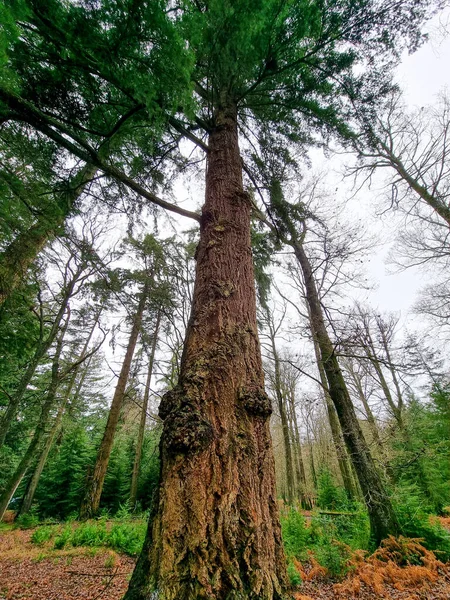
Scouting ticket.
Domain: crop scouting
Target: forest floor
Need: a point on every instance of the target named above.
(41, 572)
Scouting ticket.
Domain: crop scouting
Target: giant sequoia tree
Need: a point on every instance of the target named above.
(214, 529)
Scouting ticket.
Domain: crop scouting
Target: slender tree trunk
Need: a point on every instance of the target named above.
(393, 372)
(383, 520)
(16, 259)
(336, 432)
(214, 532)
(281, 402)
(432, 199)
(91, 501)
(368, 411)
(41, 350)
(370, 351)
(39, 431)
(311, 457)
(28, 498)
(140, 440)
(299, 465)
(30, 491)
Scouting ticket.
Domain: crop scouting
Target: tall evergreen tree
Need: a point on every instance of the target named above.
(214, 532)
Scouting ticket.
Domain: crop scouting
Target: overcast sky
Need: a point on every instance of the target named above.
(422, 76)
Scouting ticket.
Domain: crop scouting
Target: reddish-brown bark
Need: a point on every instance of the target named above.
(215, 531)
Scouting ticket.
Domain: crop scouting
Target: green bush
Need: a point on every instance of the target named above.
(334, 556)
(28, 520)
(414, 519)
(127, 537)
(295, 534)
(329, 495)
(62, 539)
(42, 534)
(89, 534)
(293, 574)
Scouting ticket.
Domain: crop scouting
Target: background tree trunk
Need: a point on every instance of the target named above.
(41, 349)
(91, 501)
(39, 431)
(140, 439)
(336, 432)
(383, 520)
(28, 497)
(17, 258)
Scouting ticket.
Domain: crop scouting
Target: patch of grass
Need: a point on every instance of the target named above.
(41, 535)
(40, 557)
(63, 537)
(293, 574)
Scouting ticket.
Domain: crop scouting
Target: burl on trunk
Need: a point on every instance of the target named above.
(214, 532)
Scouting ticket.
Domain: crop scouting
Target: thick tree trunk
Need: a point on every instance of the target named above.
(39, 431)
(91, 501)
(16, 259)
(214, 532)
(383, 520)
(140, 440)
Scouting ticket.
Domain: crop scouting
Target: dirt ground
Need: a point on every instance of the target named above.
(30, 572)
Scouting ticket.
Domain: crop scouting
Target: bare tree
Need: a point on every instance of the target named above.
(414, 147)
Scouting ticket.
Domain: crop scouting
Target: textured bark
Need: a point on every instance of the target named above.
(140, 439)
(214, 532)
(41, 349)
(39, 431)
(91, 500)
(383, 520)
(16, 259)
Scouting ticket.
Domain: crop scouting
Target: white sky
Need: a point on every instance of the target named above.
(422, 76)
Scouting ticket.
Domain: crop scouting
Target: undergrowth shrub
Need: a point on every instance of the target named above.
(328, 539)
(126, 537)
(329, 495)
(334, 556)
(28, 520)
(293, 574)
(402, 563)
(415, 522)
(295, 534)
(42, 535)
